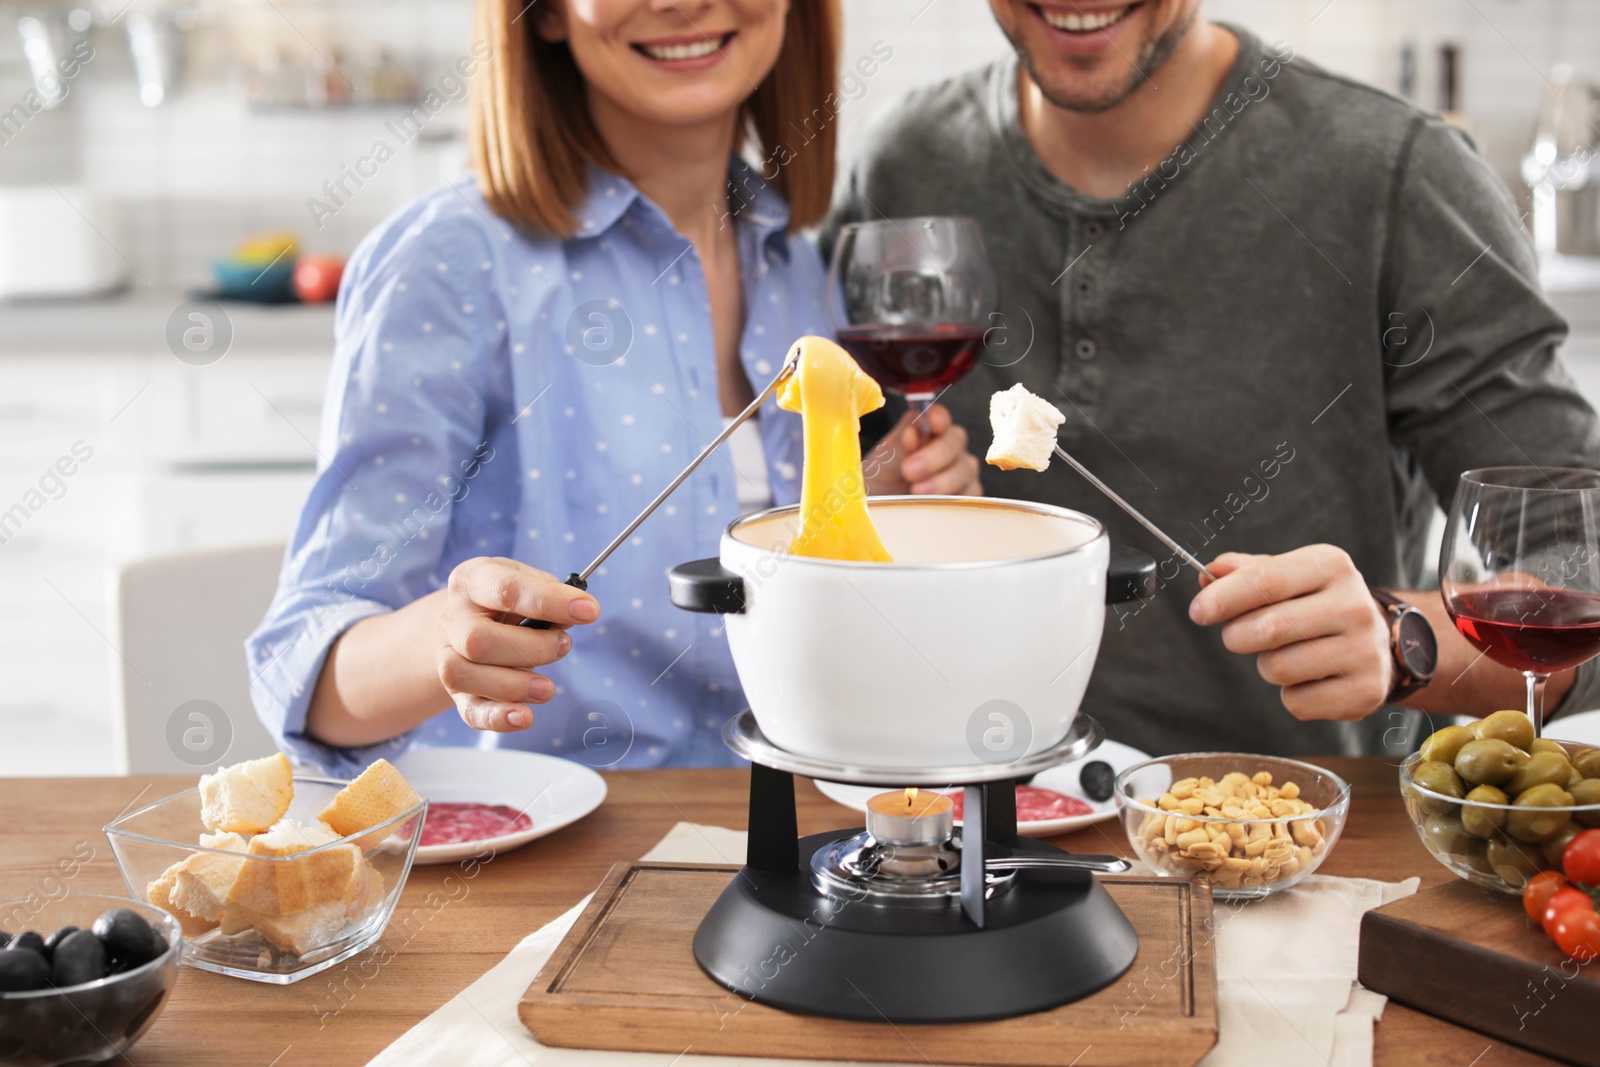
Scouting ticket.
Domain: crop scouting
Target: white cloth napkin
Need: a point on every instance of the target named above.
(1286, 971)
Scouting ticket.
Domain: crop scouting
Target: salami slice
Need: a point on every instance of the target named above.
(457, 822)
(1039, 805)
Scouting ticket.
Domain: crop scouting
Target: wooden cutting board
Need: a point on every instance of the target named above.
(625, 978)
(1475, 958)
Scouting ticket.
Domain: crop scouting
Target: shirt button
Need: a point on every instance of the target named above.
(1093, 230)
(1085, 349)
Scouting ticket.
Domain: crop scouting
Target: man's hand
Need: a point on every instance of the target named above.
(907, 462)
(1310, 622)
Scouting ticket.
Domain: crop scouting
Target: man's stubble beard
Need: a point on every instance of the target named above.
(1151, 58)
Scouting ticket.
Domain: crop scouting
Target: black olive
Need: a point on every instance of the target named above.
(30, 941)
(22, 970)
(1097, 780)
(128, 939)
(79, 958)
(55, 939)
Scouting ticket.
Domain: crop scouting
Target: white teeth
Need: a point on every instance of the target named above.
(681, 51)
(1073, 22)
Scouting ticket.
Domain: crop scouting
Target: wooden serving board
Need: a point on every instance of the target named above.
(1474, 957)
(625, 978)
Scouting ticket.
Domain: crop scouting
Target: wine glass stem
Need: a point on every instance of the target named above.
(920, 405)
(1536, 700)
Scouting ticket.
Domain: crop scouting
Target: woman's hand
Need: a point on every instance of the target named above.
(1310, 621)
(487, 662)
(905, 462)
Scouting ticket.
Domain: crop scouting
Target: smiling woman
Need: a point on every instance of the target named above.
(551, 83)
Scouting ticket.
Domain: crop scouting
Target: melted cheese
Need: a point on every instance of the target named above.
(831, 394)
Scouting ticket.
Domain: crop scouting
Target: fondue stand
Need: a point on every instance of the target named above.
(909, 919)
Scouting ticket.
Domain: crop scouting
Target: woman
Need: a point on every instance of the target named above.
(523, 360)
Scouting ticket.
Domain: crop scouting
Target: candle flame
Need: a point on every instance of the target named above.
(911, 796)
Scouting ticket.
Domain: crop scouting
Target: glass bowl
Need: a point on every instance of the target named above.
(1486, 854)
(1242, 857)
(326, 931)
(85, 1023)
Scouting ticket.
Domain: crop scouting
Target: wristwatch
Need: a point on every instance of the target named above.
(1411, 641)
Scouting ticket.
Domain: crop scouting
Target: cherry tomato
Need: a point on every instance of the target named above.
(1561, 902)
(1581, 859)
(1577, 933)
(1537, 893)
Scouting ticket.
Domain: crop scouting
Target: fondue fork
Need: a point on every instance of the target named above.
(580, 579)
(1161, 536)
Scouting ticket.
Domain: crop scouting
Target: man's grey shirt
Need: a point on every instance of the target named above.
(1300, 328)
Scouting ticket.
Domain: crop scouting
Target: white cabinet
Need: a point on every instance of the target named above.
(179, 458)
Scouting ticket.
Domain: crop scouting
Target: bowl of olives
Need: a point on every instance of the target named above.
(81, 978)
(1497, 805)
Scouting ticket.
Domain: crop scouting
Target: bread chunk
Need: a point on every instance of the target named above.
(247, 797)
(284, 881)
(379, 794)
(1024, 430)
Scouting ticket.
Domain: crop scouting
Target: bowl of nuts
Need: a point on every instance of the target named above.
(1497, 805)
(1248, 825)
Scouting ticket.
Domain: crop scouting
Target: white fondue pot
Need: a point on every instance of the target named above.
(974, 646)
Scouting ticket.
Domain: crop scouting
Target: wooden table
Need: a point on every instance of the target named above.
(447, 930)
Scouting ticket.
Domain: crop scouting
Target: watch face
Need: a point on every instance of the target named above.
(1417, 646)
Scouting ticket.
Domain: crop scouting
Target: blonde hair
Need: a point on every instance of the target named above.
(533, 138)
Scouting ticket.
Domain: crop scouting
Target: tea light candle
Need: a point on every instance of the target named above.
(910, 817)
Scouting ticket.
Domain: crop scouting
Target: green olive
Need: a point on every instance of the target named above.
(1588, 762)
(1489, 762)
(1480, 821)
(1514, 862)
(1573, 779)
(1554, 847)
(1445, 836)
(1544, 744)
(1443, 745)
(1540, 813)
(1587, 793)
(1545, 768)
(1512, 727)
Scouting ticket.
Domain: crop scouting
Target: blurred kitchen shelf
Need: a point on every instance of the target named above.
(135, 321)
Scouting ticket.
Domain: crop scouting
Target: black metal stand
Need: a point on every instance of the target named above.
(1052, 937)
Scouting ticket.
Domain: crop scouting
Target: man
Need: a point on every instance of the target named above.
(1282, 311)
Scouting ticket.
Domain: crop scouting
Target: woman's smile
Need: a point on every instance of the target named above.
(689, 52)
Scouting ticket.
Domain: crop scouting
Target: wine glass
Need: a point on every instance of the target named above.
(1520, 570)
(911, 299)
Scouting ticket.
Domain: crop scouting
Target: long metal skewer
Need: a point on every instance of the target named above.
(580, 579)
(1183, 553)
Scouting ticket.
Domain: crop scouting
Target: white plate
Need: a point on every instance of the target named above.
(553, 792)
(1062, 778)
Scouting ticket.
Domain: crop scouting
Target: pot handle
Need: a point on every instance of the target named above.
(706, 585)
(1131, 575)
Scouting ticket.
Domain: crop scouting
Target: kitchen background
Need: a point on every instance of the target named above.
(187, 128)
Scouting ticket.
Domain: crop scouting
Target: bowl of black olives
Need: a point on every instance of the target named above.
(81, 978)
(1497, 805)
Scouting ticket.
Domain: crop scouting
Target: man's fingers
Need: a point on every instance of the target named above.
(1309, 661)
(937, 419)
(1266, 580)
(482, 640)
(492, 715)
(514, 588)
(940, 453)
(1280, 625)
(1331, 698)
(960, 478)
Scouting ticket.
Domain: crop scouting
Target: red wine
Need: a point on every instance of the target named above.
(1539, 630)
(914, 360)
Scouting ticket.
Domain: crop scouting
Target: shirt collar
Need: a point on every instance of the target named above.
(759, 208)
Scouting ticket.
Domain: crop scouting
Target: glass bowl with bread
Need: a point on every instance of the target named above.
(1247, 825)
(274, 876)
(1497, 805)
